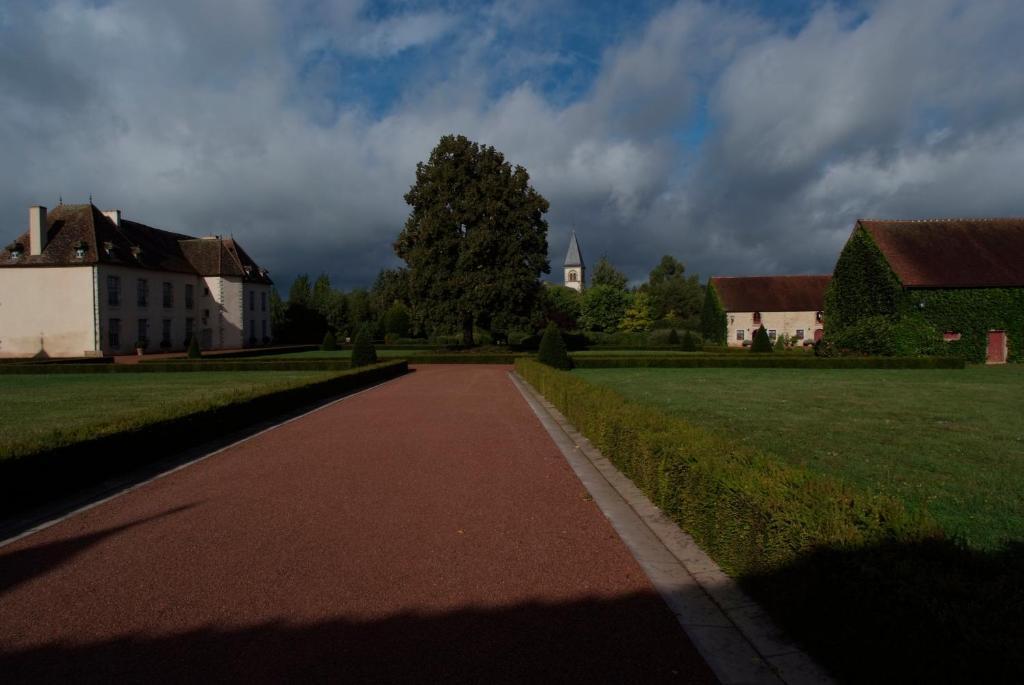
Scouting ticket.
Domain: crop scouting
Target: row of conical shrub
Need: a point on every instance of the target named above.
(552, 349)
(363, 351)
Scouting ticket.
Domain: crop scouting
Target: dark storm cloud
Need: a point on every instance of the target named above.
(708, 133)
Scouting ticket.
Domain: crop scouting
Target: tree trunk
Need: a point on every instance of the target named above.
(467, 331)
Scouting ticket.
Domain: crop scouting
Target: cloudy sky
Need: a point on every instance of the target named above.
(741, 137)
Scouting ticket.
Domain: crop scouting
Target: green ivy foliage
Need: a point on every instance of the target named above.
(881, 335)
(973, 312)
(713, 321)
(862, 285)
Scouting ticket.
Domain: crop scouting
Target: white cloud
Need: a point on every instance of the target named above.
(193, 116)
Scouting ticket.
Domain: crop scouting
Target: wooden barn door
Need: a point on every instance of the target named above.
(996, 347)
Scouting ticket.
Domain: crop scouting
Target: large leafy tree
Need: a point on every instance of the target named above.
(475, 241)
(560, 305)
(637, 317)
(672, 292)
(603, 307)
(606, 274)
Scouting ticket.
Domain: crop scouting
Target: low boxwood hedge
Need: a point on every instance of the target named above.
(465, 358)
(780, 361)
(184, 365)
(30, 479)
(866, 586)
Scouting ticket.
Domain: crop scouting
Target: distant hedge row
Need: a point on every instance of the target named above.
(30, 479)
(865, 585)
(767, 361)
(465, 358)
(180, 366)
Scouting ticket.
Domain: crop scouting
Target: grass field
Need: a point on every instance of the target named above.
(949, 441)
(50, 410)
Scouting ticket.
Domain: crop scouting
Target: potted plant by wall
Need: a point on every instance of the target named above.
(140, 346)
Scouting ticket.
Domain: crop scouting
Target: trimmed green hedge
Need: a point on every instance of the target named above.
(184, 365)
(465, 358)
(779, 361)
(31, 479)
(866, 586)
(749, 511)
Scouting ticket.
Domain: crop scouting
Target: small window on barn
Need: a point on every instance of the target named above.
(799, 334)
(771, 333)
(950, 336)
(739, 334)
(819, 317)
(757, 318)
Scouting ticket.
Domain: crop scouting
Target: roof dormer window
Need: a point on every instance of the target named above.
(137, 252)
(108, 247)
(16, 249)
(81, 247)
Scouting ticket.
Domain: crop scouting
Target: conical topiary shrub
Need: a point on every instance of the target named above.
(363, 351)
(761, 341)
(673, 337)
(329, 344)
(689, 344)
(552, 349)
(193, 349)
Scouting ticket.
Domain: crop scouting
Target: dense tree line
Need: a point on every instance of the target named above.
(313, 310)
(669, 299)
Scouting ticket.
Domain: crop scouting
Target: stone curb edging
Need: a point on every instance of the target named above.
(734, 635)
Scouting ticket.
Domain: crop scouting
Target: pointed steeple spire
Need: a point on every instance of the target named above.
(573, 256)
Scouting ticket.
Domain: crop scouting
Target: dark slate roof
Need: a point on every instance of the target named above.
(771, 293)
(132, 244)
(573, 256)
(952, 253)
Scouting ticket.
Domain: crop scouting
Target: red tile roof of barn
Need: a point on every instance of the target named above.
(132, 244)
(771, 293)
(952, 253)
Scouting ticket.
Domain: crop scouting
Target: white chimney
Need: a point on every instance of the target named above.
(36, 230)
(114, 215)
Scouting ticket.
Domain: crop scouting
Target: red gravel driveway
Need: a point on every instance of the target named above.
(426, 530)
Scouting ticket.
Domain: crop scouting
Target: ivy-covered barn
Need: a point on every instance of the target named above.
(964, 278)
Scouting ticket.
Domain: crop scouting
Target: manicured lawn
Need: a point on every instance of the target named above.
(949, 441)
(43, 411)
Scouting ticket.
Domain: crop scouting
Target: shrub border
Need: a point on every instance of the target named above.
(767, 361)
(38, 477)
(863, 583)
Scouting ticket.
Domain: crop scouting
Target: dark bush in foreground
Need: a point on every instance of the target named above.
(363, 351)
(673, 337)
(330, 344)
(193, 349)
(552, 349)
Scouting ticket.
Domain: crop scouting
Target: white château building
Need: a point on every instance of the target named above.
(81, 282)
(575, 271)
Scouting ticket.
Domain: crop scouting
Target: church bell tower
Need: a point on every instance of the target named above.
(574, 269)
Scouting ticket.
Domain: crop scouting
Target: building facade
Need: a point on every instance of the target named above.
(785, 305)
(575, 271)
(964, 277)
(81, 282)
